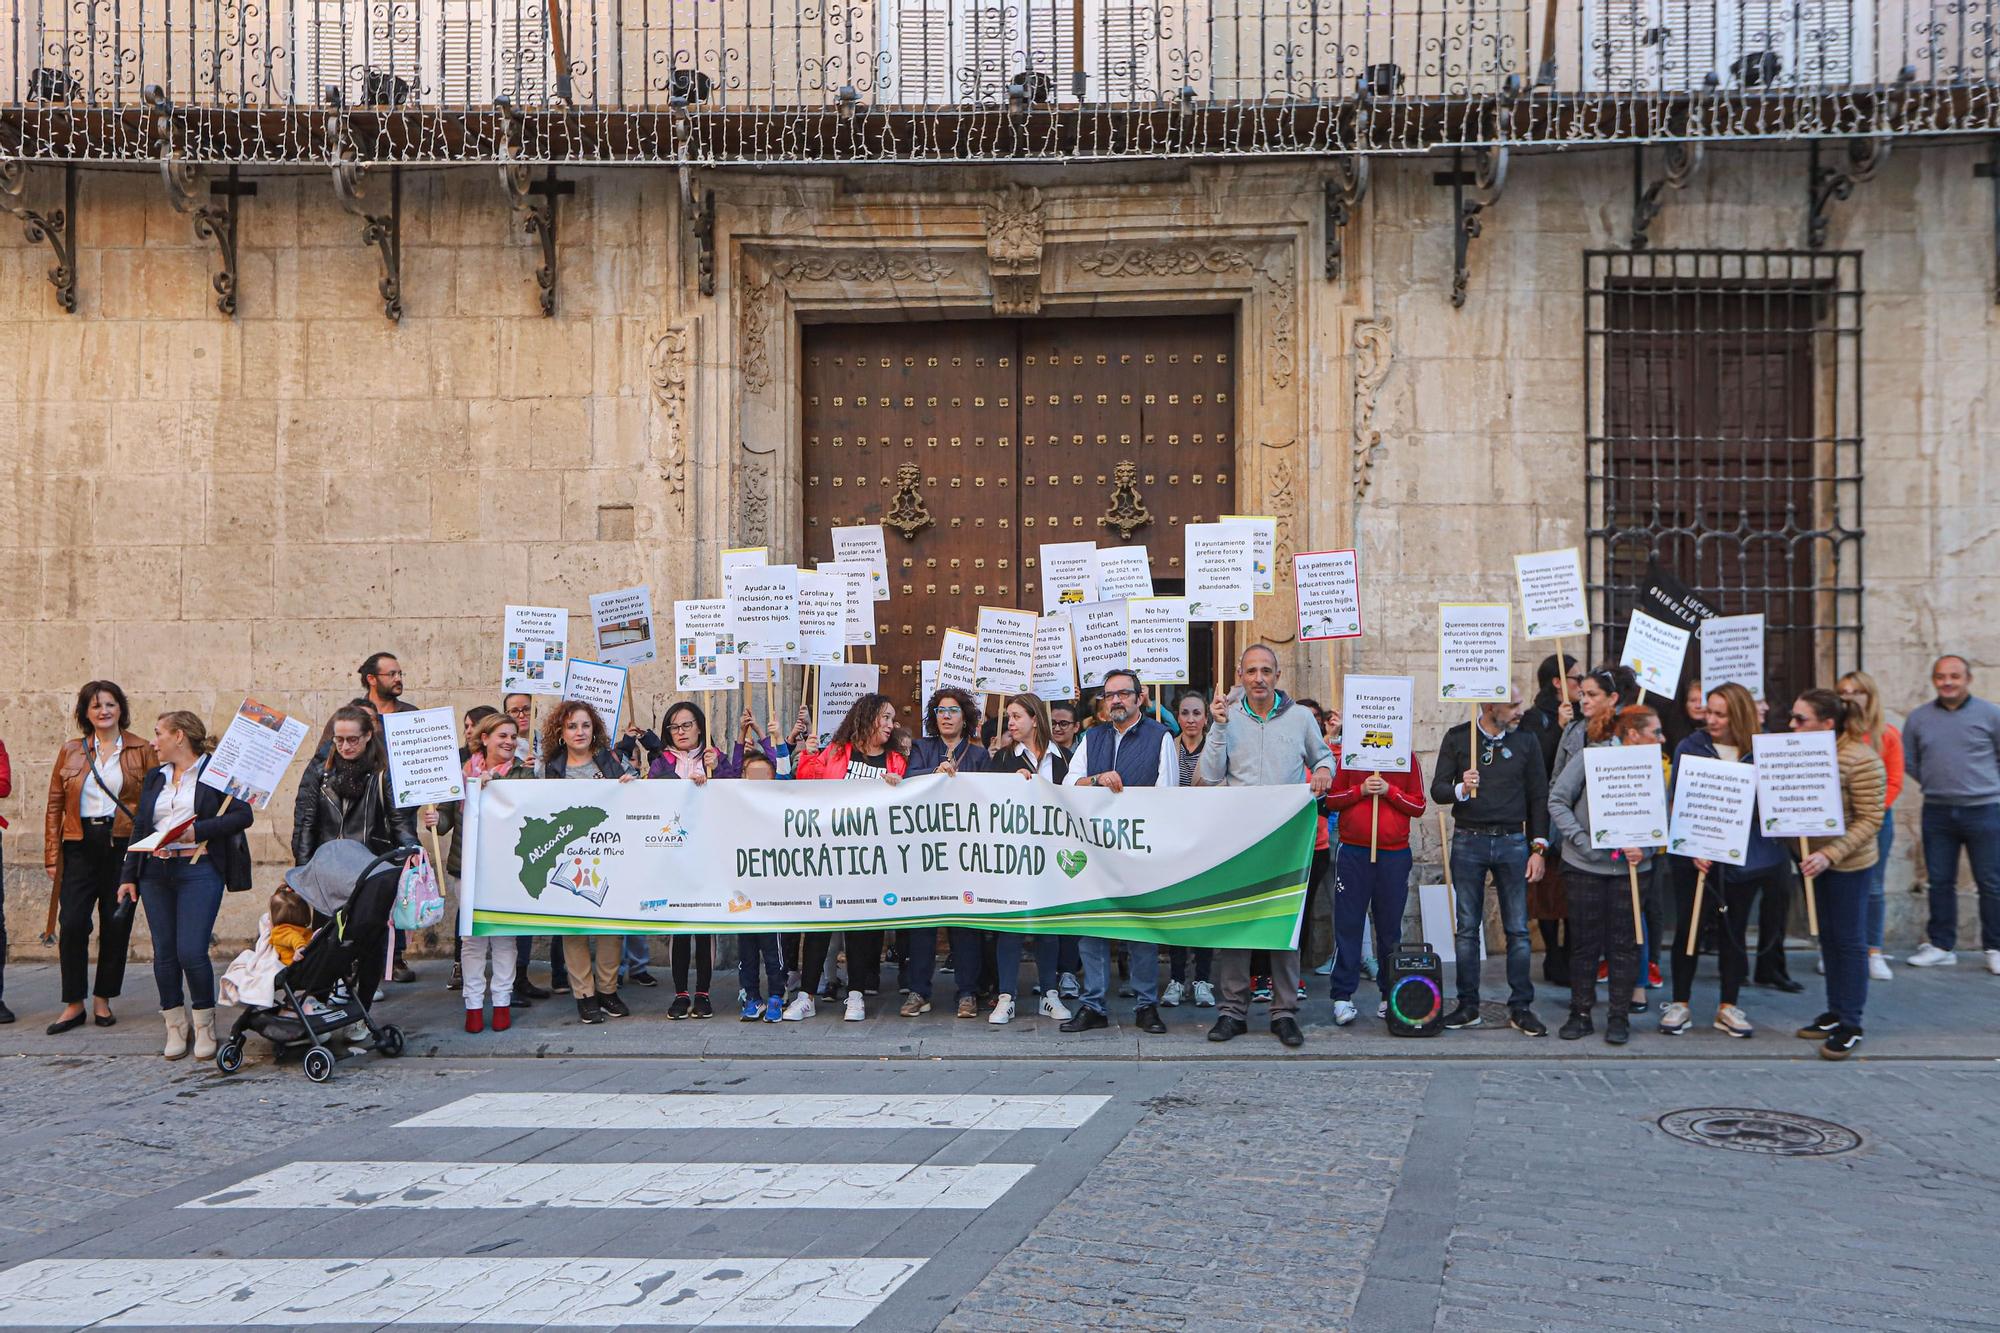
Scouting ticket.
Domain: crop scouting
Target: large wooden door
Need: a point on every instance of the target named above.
(1015, 431)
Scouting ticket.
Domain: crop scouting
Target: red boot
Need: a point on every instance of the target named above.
(503, 1018)
(475, 1020)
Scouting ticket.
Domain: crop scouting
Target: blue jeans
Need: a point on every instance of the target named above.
(1505, 857)
(636, 956)
(1976, 829)
(1013, 949)
(1380, 888)
(1843, 941)
(181, 898)
(1878, 880)
(752, 950)
(1145, 961)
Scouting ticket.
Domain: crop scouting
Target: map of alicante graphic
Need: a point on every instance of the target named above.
(550, 858)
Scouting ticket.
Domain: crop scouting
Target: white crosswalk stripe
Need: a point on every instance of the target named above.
(847, 1185)
(670, 1110)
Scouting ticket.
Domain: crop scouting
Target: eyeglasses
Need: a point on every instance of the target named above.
(950, 710)
(1576, 679)
(350, 740)
(1803, 718)
(685, 724)
(1121, 694)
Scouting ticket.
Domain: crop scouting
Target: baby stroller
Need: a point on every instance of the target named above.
(329, 983)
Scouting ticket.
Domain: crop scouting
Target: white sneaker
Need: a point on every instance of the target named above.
(1003, 1010)
(1675, 1019)
(800, 1008)
(1382, 1009)
(1929, 955)
(1053, 1007)
(1343, 1012)
(1820, 966)
(1170, 998)
(1993, 961)
(1066, 983)
(1878, 968)
(1204, 995)
(1734, 1021)
(857, 1008)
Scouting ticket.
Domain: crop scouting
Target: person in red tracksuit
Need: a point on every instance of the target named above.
(1381, 884)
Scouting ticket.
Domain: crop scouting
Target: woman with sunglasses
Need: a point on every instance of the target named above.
(1839, 870)
(1865, 723)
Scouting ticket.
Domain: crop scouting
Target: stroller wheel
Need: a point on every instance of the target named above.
(319, 1064)
(229, 1057)
(390, 1040)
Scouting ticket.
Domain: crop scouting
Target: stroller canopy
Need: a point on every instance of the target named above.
(329, 880)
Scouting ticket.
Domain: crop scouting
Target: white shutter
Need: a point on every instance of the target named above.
(1687, 46)
(325, 48)
(917, 39)
(464, 63)
(395, 32)
(1836, 42)
(958, 51)
(991, 46)
(1121, 51)
(1622, 52)
(524, 68)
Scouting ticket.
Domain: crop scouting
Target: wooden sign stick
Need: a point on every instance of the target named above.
(430, 838)
(1562, 672)
(1374, 826)
(1444, 842)
(1812, 906)
(770, 702)
(1694, 920)
(1638, 914)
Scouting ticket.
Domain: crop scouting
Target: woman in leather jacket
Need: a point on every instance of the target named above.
(345, 793)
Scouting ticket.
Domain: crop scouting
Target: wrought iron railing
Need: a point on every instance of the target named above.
(773, 80)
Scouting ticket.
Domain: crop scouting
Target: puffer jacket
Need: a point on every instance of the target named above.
(319, 816)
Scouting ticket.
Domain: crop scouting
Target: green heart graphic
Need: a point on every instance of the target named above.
(1072, 863)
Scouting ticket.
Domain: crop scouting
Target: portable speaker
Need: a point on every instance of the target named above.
(1416, 991)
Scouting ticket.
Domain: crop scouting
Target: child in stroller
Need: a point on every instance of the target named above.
(327, 987)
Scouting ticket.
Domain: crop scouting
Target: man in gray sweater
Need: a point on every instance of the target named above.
(1951, 748)
(1260, 738)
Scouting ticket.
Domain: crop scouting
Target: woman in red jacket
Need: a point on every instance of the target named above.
(1381, 883)
(859, 751)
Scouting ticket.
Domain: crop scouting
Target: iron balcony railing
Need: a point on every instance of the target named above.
(777, 80)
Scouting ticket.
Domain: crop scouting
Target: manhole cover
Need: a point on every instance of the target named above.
(1774, 1133)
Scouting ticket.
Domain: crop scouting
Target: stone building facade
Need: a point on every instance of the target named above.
(202, 506)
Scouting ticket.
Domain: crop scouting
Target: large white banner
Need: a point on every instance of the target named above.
(1218, 866)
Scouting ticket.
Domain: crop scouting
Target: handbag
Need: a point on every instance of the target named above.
(419, 902)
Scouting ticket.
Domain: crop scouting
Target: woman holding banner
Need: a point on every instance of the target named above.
(1838, 870)
(1598, 882)
(689, 756)
(576, 744)
(1865, 723)
(1729, 722)
(951, 719)
(1030, 750)
(492, 745)
(1191, 711)
(858, 751)
(181, 882)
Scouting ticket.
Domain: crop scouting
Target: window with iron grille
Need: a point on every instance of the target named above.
(1723, 424)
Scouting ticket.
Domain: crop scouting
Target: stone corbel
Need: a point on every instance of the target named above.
(57, 227)
(1487, 178)
(1345, 188)
(1826, 184)
(533, 201)
(698, 207)
(1015, 227)
(1684, 159)
(384, 231)
(215, 211)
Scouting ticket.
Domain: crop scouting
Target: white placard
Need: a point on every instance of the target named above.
(1263, 550)
(1375, 718)
(764, 609)
(1004, 654)
(1328, 584)
(1798, 784)
(423, 756)
(1475, 651)
(1055, 658)
(1221, 584)
(256, 749)
(859, 621)
(600, 685)
(957, 658)
(864, 546)
(1553, 605)
(1103, 639)
(1714, 801)
(840, 684)
(743, 557)
(822, 619)
(1655, 651)
(927, 685)
(1627, 786)
(623, 622)
(1732, 649)
(534, 650)
(1158, 630)
(1437, 904)
(1069, 574)
(705, 656)
(1123, 571)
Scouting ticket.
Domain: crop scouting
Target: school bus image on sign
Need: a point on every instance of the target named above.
(1376, 740)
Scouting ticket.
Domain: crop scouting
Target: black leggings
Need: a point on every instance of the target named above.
(1600, 925)
(864, 959)
(700, 949)
(1725, 900)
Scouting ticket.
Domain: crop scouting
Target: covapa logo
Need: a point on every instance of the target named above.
(671, 833)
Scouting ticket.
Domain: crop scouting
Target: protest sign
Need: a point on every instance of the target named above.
(250, 760)
(623, 621)
(764, 609)
(1328, 584)
(1069, 574)
(1055, 658)
(1798, 784)
(1732, 650)
(1714, 800)
(1664, 597)
(535, 650)
(1123, 571)
(1221, 584)
(1475, 651)
(1553, 605)
(1375, 723)
(1004, 651)
(1221, 867)
(743, 557)
(705, 655)
(1437, 907)
(1263, 550)
(927, 687)
(423, 756)
(958, 659)
(840, 684)
(1627, 793)
(822, 618)
(1656, 652)
(1103, 639)
(864, 546)
(1158, 630)
(859, 621)
(600, 685)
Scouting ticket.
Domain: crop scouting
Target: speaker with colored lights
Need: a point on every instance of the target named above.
(1416, 991)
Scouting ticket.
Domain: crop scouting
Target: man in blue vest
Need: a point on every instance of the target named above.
(1129, 750)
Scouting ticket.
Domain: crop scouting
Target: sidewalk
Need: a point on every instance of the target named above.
(1945, 1013)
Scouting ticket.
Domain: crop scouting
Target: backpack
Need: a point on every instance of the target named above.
(419, 902)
